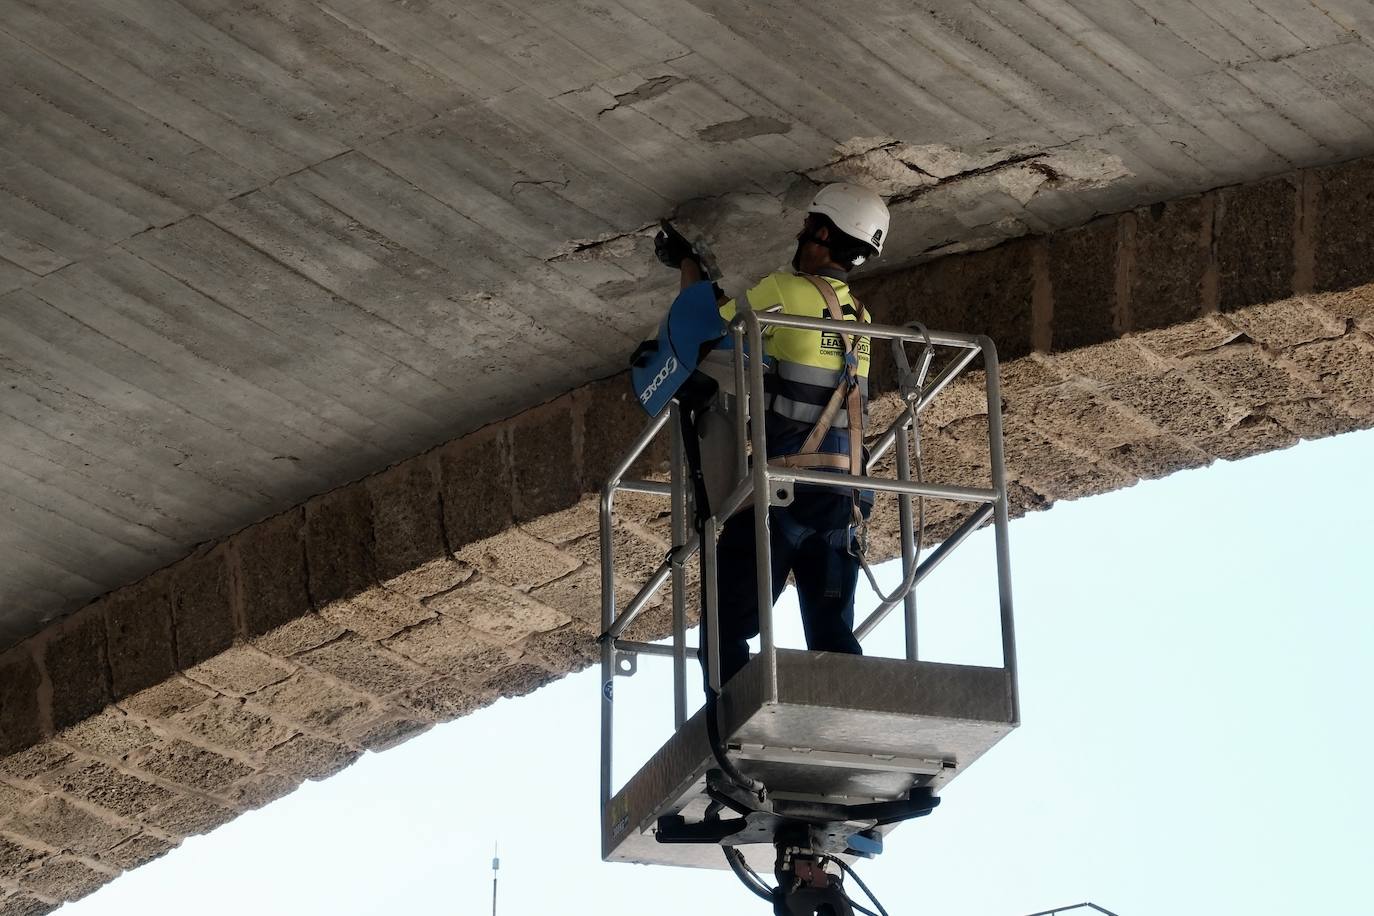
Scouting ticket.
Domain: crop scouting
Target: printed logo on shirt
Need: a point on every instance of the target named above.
(831, 345)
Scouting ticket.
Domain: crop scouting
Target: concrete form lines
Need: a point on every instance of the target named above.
(1352, 15)
(854, 75)
(1246, 22)
(102, 395)
(110, 350)
(596, 144)
(1059, 52)
(279, 247)
(70, 165)
(1189, 34)
(977, 63)
(716, 38)
(472, 250)
(70, 459)
(423, 296)
(609, 33)
(321, 395)
(58, 105)
(367, 87)
(120, 301)
(199, 269)
(1307, 22)
(43, 528)
(1142, 73)
(104, 69)
(877, 43)
(46, 496)
(47, 563)
(226, 77)
(68, 202)
(431, 43)
(1187, 21)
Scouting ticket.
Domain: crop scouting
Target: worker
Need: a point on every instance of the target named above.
(813, 537)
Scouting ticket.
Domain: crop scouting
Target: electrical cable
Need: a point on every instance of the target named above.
(702, 511)
(747, 867)
(727, 766)
(862, 909)
(860, 881)
(747, 876)
(886, 602)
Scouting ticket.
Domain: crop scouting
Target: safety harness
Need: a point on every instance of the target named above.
(847, 395)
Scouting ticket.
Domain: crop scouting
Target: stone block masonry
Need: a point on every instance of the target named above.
(1145, 342)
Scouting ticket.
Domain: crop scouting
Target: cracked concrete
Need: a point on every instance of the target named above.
(743, 129)
(649, 89)
(943, 200)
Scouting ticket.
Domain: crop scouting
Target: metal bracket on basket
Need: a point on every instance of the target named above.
(909, 383)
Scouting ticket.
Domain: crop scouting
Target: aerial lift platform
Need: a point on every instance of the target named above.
(807, 758)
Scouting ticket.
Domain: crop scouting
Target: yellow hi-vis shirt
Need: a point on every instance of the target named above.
(808, 365)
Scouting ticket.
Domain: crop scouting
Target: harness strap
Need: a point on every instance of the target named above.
(846, 392)
(812, 460)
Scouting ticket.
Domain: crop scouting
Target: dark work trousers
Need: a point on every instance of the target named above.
(810, 538)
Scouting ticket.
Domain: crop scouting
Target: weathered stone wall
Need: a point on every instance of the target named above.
(1211, 327)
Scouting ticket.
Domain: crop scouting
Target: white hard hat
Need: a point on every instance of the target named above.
(856, 211)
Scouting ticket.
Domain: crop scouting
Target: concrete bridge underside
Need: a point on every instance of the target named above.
(310, 314)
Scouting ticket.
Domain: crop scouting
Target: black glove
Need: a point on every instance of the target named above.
(671, 248)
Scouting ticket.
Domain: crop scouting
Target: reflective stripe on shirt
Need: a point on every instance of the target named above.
(801, 392)
(809, 365)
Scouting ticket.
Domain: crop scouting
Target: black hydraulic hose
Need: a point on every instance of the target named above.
(727, 766)
(746, 876)
(692, 449)
(860, 881)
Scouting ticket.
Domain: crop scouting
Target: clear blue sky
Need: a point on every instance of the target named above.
(1196, 686)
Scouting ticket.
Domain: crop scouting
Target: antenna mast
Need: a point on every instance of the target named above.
(495, 867)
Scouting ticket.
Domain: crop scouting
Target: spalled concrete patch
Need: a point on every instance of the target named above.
(743, 129)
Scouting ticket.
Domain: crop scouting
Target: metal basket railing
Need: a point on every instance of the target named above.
(619, 655)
